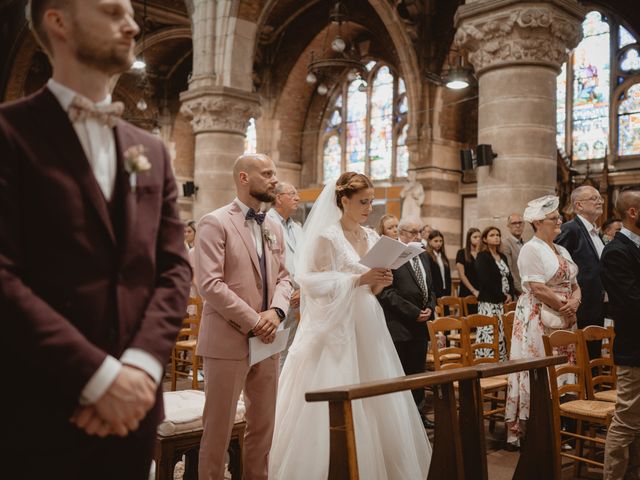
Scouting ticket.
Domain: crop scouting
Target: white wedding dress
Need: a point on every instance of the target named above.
(342, 339)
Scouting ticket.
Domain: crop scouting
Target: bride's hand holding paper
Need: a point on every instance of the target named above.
(377, 277)
(390, 254)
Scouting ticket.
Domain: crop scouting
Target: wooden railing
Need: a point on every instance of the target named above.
(459, 450)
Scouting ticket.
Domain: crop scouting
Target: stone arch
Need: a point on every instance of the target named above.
(162, 35)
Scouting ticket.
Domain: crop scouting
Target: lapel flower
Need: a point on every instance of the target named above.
(135, 161)
(269, 238)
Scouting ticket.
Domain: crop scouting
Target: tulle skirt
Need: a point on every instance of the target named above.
(391, 441)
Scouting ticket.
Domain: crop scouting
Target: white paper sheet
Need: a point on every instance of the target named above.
(390, 253)
(258, 350)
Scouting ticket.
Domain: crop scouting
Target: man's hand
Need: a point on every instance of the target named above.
(295, 299)
(424, 315)
(123, 405)
(267, 325)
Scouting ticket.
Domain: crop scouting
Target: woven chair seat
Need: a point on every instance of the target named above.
(493, 382)
(186, 344)
(446, 357)
(606, 395)
(590, 408)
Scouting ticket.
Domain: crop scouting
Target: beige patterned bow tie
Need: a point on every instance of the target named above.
(82, 108)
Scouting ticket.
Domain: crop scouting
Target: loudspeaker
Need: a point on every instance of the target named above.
(466, 160)
(484, 155)
(189, 188)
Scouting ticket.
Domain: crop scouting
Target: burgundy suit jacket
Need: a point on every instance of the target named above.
(79, 280)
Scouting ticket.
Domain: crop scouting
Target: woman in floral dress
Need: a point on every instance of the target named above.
(495, 286)
(548, 277)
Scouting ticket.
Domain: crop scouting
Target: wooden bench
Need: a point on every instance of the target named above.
(455, 456)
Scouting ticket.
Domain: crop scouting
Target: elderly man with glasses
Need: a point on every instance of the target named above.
(580, 237)
(511, 245)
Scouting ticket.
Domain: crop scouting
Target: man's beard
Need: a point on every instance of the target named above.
(263, 196)
(638, 222)
(103, 58)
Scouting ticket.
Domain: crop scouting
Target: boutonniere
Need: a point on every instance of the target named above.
(136, 161)
(269, 237)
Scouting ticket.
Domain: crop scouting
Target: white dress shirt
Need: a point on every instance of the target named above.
(441, 267)
(99, 145)
(254, 228)
(593, 233)
(634, 237)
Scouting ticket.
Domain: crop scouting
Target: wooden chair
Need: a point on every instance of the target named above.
(586, 413)
(510, 306)
(507, 323)
(447, 357)
(494, 389)
(183, 354)
(454, 304)
(467, 302)
(600, 372)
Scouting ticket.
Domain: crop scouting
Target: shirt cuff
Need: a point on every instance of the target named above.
(144, 361)
(100, 381)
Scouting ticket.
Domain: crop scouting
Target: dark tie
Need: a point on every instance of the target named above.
(420, 277)
(257, 216)
(82, 108)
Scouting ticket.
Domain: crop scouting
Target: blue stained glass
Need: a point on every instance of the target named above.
(561, 107)
(356, 127)
(336, 118)
(403, 107)
(369, 66)
(625, 37)
(629, 122)
(251, 137)
(630, 60)
(381, 136)
(401, 87)
(331, 159)
(402, 153)
(591, 90)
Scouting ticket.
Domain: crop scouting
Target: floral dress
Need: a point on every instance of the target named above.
(537, 264)
(485, 334)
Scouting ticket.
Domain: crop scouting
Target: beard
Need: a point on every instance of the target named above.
(100, 56)
(262, 196)
(638, 222)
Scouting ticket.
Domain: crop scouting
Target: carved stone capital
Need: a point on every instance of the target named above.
(499, 33)
(219, 109)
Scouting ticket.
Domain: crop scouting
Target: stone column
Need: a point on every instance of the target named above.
(219, 117)
(517, 49)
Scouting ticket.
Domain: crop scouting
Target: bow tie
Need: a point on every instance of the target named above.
(82, 108)
(257, 216)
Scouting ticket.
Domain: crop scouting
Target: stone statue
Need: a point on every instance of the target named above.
(413, 198)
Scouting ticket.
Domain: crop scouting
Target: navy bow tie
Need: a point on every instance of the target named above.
(253, 215)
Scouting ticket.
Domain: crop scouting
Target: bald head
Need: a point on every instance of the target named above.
(628, 204)
(587, 202)
(249, 162)
(255, 177)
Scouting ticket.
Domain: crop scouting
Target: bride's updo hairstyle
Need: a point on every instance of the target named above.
(350, 183)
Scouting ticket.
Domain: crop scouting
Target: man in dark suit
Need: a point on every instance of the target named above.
(621, 278)
(94, 277)
(408, 303)
(580, 237)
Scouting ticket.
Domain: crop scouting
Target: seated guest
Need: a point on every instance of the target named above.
(388, 226)
(465, 263)
(495, 286)
(610, 228)
(408, 303)
(549, 284)
(439, 264)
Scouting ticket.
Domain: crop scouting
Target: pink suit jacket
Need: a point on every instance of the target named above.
(228, 276)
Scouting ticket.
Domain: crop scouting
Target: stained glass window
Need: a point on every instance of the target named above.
(250, 139)
(630, 60)
(367, 117)
(629, 122)
(625, 37)
(584, 87)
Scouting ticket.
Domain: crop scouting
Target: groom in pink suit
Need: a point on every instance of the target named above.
(239, 265)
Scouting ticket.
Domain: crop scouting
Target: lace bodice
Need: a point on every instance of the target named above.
(335, 253)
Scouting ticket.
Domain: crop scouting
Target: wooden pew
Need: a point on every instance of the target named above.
(455, 455)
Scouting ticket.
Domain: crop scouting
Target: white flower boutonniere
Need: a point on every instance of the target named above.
(135, 161)
(269, 237)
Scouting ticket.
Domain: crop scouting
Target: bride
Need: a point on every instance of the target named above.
(343, 339)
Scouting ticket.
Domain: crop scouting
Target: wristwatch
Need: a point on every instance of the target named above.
(279, 312)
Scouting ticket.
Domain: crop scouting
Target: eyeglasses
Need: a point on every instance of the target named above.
(595, 199)
(555, 219)
(412, 232)
(516, 223)
(293, 194)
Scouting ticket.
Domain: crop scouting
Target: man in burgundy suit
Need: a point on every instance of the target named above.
(93, 271)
